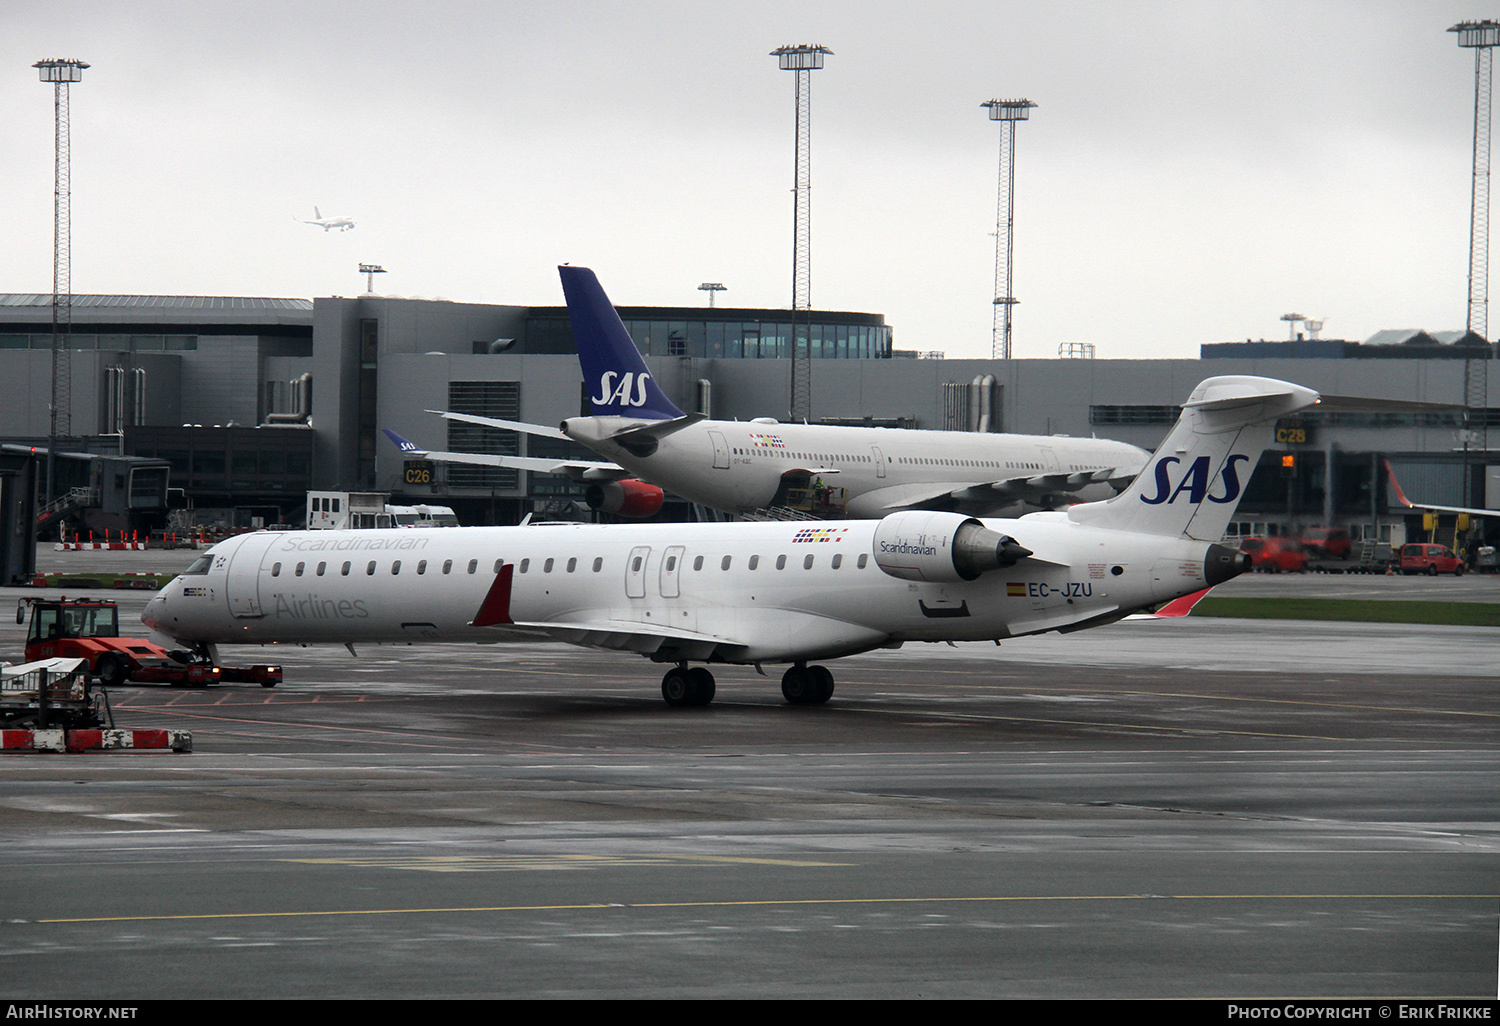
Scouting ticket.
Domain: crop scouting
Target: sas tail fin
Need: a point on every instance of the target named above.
(618, 382)
(407, 447)
(1192, 484)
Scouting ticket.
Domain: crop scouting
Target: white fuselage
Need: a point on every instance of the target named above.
(711, 592)
(738, 466)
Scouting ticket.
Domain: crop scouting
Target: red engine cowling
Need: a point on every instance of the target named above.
(628, 497)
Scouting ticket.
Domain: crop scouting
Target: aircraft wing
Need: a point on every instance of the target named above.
(504, 425)
(1042, 490)
(1401, 498)
(578, 470)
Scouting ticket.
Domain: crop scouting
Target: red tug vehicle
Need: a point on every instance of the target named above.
(85, 628)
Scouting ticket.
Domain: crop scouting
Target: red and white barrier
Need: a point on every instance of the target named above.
(77, 546)
(95, 740)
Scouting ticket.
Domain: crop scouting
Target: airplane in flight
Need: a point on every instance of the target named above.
(754, 593)
(343, 224)
(742, 466)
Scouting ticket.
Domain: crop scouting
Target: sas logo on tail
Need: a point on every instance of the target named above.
(631, 390)
(1195, 481)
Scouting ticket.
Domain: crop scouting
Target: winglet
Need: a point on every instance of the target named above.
(407, 447)
(1396, 486)
(619, 384)
(495, 609)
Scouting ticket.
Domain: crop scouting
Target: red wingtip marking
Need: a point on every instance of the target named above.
(1184, 605)
(496, 607)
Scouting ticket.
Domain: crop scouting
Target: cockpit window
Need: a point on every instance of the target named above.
(200, 566)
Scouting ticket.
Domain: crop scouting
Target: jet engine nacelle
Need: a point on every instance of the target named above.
(628, 497)
(920, 545)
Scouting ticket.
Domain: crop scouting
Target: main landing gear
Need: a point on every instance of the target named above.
(801, 684)
(807, 685)
(685, 686)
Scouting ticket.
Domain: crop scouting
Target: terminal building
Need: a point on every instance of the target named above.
(251, 402)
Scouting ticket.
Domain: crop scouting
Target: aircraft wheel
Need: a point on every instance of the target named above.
(702, 685)
(676, 688)
(823, 684)
(111, 670)
(804, 685)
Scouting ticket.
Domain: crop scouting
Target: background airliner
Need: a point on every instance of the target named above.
(754, 593)
(343, 224)
(741, 466)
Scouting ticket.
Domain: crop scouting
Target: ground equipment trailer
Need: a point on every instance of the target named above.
(50, 693)
(89, 629)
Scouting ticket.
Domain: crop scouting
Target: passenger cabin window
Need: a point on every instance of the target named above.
(863, 556)
(525, 565)
(275, 569)
(671, 563)
(498, 564)
(421, 567)
(473, 566)
(807, 561)
(599, 563)
(396, 567)
(724, 563)
(698, 563)
(572, 565)
(345, 571)
(547, 566)
(300, 567)
(447, 566)
(370, 569)
(838, 560)
(322, 567)
(781, 562)
(754, 562)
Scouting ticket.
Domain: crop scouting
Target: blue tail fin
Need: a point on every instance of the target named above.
(408, 448)
(618, 382)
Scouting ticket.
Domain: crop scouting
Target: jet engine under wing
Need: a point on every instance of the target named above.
(988, 498)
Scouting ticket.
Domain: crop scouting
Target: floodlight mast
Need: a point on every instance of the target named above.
(1481, 37)
(370, 271)
(62, 74)
(711, 287)
(802, 59)
(1009, 112)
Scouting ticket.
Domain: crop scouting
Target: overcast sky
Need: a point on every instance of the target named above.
(1193, 170)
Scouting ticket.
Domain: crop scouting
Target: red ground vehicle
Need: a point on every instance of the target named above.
(1274, 555)
(1424, 558)
(1326, 542)
(89, 629)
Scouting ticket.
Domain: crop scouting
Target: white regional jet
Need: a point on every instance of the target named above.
(739, 466)
(343, 224)
(754, 593)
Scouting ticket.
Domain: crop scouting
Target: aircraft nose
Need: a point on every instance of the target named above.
(155, 611)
